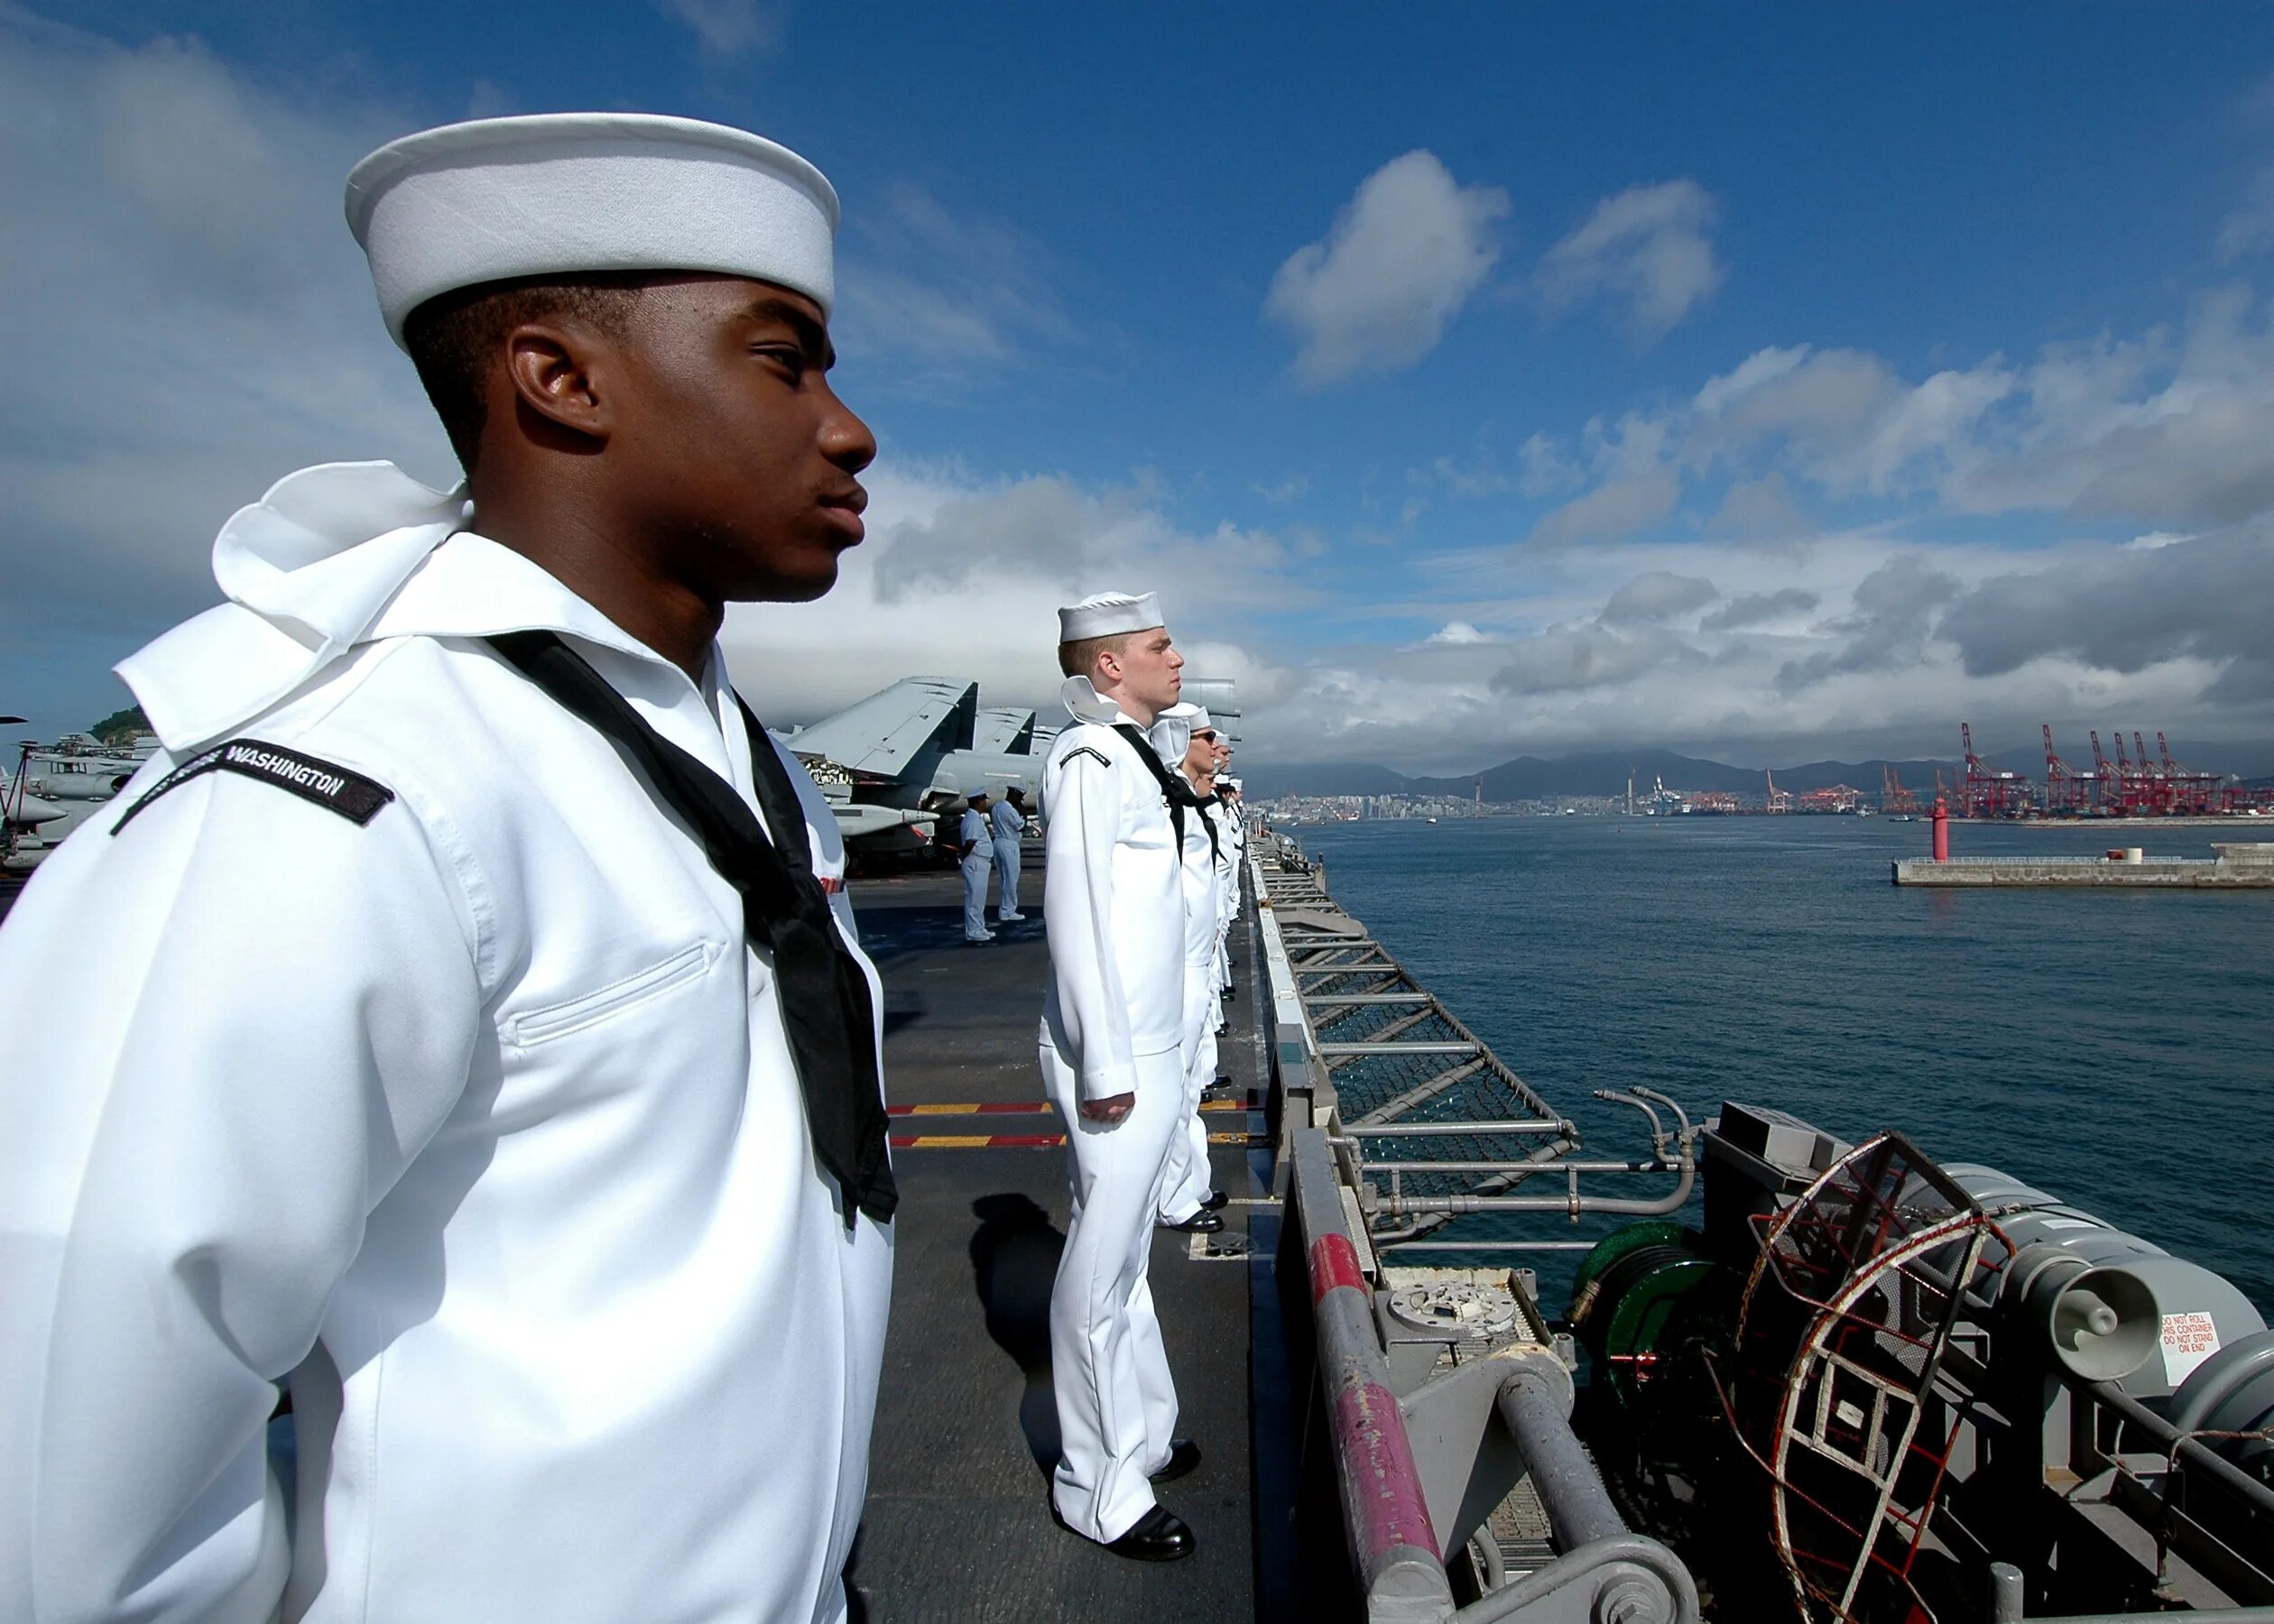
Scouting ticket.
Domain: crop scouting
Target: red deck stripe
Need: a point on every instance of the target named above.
(974, 1141)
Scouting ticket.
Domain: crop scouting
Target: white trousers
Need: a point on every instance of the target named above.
(1187, 1180)
(1006, 859)
(1116, 1401)
(974, 878)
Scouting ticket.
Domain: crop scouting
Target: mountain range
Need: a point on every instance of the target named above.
(1605, 773)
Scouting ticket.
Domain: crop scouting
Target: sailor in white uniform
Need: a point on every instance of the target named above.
(1190, 1200)
(1227, 890)
(1007, 819)
(974, 839)
(1232, 867)
(1112, 1024)
(460, 1026)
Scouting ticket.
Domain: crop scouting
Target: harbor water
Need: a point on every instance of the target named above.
(2115, 1048)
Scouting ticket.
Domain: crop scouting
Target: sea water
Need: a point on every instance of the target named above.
(2114, 1046)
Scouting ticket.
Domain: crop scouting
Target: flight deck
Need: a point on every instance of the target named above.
(959, 1526)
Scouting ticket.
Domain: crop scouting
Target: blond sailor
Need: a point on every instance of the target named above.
(1112, 905)
(460, 1026)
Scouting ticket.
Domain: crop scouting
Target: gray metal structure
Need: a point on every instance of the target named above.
(1937, 1377)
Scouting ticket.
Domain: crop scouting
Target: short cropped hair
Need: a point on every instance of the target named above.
(455, 338)
(1079, 657)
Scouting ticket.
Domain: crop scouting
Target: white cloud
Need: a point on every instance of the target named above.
(1760, 508)
(1455, 634)
(2249, 229)
(185, 315)
(1650, 249)
(963, 577)
(1400, 261)
(1547, 471)
(729, 28)
(1613, 511)
(1656, 595)
(927, 295)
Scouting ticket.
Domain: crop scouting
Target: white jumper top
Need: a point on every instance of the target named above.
(476, 1125)
(1203, 887)
(1113, 903)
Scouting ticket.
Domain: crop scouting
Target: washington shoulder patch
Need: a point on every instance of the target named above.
(336, 789)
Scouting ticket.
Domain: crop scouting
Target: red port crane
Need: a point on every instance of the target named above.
(2108, 784)
(1893, 797)
(2064, 792)
(1989, 793)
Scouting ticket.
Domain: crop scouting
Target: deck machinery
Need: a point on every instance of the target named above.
(1852, 1384)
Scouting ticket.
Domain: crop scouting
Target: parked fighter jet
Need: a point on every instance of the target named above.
(892, 764)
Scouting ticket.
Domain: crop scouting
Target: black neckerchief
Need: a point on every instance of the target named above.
(1173, 788)
(1216, 852)
(826, 1009)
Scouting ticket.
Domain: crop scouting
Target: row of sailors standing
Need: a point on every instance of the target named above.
(464, 1027)
(1142, 861)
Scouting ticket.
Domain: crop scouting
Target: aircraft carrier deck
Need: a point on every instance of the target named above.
(958, 1525)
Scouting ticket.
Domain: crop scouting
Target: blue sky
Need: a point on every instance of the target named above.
(1769, 382)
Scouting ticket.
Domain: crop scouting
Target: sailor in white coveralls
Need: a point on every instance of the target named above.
(974, 837)
(1112, 1024)
(1007, 818)
(1190, 1200)
(471, 1038)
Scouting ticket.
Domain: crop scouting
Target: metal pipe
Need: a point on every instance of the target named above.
(1630, 1579)
(1505, 1166)
(1574, 1204)
(1408, 1241)
(1579, 1508)
(2197, 1454)
(1384, 1509)
(1555, 1125)
(2228, 1615)
(2008, 1599)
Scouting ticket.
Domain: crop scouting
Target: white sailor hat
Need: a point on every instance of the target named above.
(559, 193)
(1108, 614)
(1193, 717)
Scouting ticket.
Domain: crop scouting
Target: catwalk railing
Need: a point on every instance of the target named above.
(1429, 1125)
(1393, 1119)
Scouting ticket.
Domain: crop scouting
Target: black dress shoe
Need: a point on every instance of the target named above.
(1214, 1203)
(1160, 1536)
(1202, 1223)
(1184, 1455)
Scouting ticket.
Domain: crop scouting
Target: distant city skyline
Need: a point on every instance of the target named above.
(1764, 385)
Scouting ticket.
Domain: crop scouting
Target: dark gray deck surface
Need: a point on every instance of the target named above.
(958, 1525)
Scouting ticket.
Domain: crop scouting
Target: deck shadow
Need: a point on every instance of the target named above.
(1014, 1261)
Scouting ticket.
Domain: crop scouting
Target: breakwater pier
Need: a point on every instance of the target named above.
(2246, 865)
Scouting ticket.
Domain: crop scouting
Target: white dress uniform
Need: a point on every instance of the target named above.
(1009, 828)
(475, 1125)
(1231, 871)
(1186, 1180)
(1112, 1024)
(400, 1048)
(977, 865)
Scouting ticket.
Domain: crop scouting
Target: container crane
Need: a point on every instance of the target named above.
(1989, 793)
(2065, 795)
(2108, 782)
